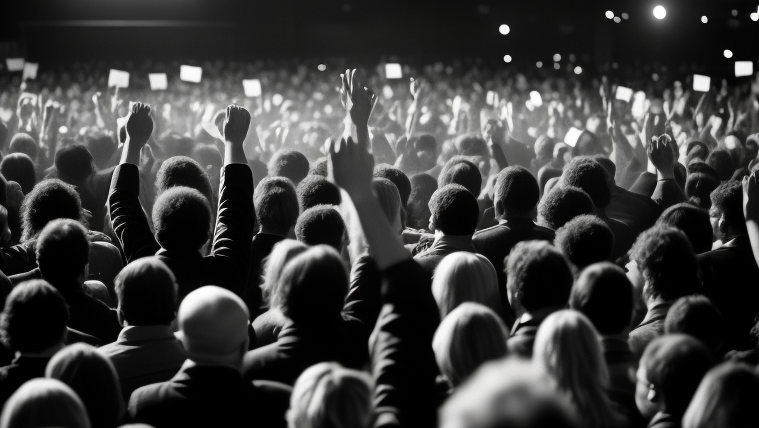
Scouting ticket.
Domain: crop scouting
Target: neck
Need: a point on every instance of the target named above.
(47, 353)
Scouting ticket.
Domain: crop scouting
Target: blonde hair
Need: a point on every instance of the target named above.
(327, 395)
(469, 336)
(283, 252)
(464, 277)
(725, 398)
(44, 402)
(567, 347)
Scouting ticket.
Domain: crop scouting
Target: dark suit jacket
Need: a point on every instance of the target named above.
(633, 209)
(203, 396)
(227, 264)
(90, 316)
(430, 258)
(622, 366)
(21, 370)
(649, 329)
(364, 300)
(263, 243)
(623, 235)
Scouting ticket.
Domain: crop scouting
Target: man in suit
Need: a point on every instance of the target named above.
(182, 216)
(209, 389)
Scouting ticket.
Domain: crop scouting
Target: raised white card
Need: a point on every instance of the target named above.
(624, 93)
(702, 83)
(158, 81)
(252, 87)
(572, 136)
(15, 64)
(118, 78)
(393, 71)
(744, 68)
(30, 71)
(189, 73)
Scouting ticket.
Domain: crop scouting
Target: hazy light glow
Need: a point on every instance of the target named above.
(728, 53)
(734, 12)
(578, 70)
(609, 14)
(617, 19)
(322, 67)
(755, 16)
(556, 66)
(625, 15)
(504, 29)
(507, 58)
(557, 57)
(539, 64)
(660, 12)
(704, 19)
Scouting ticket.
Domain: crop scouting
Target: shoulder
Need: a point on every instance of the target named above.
(492, 231)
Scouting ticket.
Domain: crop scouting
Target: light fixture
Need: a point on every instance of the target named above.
(704, 19)
(578, 70)
(609, 14)
(504, 29)
(507, 58)
(557, 57)
(660, 12)
(728, 53)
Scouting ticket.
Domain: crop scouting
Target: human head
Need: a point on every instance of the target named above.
(454, 211)
(316, 190)
(460, 171)
(19, 167)
(213, 327)
(63, 252)
(102, 148)
(721, 161)
(693, 222)
(467, 337)
(464, 277)
(544, 150)
(289, 163)
(398, 177)
(697, 316)
(74, 163)
(426, 150)
(585, 240)
(182, 219)
(472, 147)
(321, 224)
(390, 201)
(328, 395)
(422, 187)
(319, 167)
(44, 403)
(275, 262)
(698, 187)
(312, 287)
(516, 192)
(563, 203)
(146, 290)
(603, 293)
(589, 175)
(726, 397)
(538, 277)
(209, 158)
(23, 329)
(726, 213)
(276, 205)
(24, 143)
(185, 172)
(94, 380)
(587, 144)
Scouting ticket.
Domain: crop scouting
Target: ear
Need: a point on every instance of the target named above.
(120, 315)
(722, 225)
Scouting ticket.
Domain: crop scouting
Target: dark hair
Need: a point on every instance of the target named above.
(321, 224)
(721, 161)
(538, 276)
(177, 145)
(34, 318)
(699, 187)
(603, 293)
(584, 240)
(608, 165)
(24, 143)
(182, 219)
(727, 201)
(460, 171)
(699, 317)
(146, 290)
(563, 203)
(667, 262)
(319, 167)
(587, 144)
(422, 187)
(19, 167)
(49, 200)
(693, 222)
(317, 190)
(207, 154)
(516, 189)
(590, 176)
(696, 150)
(73, 163)
(675, 365)
(63, 251)
(454, 210)
(289, 163)
(398, 177)
(186, 172)
(276, 204)
(102, 148)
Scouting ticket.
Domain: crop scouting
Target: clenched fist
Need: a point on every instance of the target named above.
(236, 124)
(139, 125)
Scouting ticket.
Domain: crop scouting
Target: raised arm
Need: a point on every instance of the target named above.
(751, 211)
(661, 154)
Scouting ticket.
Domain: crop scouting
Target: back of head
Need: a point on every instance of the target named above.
(454, 210)
(328, 395)
(460, 171)
(697, 316)
(319, 167)
(585, 240)
(276, 205)
(537, 276)
(464, 277)
(186, 172)
(674, 365)
(698, 187)
(147, 293)
(667, 262)
(316, 190)
(603, 293)
(726, 397)
(587, 144)
(63, 251)
(693, 222)
(182, 219)
(727, 202)
(516, 192)
(289, 163)
(563, 203)
(312, 287)
(19, 167)
(208, 155)
(44, 403)
(608, 165)
(390, 201)
(696, 150)
(275, 262)
(398, 177)
(24, 143)
(102, 148)
(94, 380)
(74, 163)
(721, 161)
(422, 187)
(589, 175)
(22, 328)
(321, 224)
(467, 337)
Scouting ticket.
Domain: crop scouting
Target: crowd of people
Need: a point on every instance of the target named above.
(466, 248)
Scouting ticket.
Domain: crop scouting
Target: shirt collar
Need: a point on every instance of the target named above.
(134, 333)
(463, 242)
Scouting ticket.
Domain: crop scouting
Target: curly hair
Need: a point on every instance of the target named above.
(589, 175)
(49, 200)
(22, 328)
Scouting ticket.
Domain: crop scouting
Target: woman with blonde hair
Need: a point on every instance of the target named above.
(93, 378)
(726, 397)
(469, 336)
(44, 403)
(568, 349)
(465, 277)
(326, 395)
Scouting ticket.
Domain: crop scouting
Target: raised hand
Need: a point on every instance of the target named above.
(236, 124)
(351, 166)
(660, 153)
(139, 125)
(358, 100)
(418, 88)
(751, 198)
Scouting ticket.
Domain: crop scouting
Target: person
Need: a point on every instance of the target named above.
(74, 165)
(290, 164)
(183, 171)
(146, 350)
(465, 277)
(422, 187)
(585, 240)
(93, 379)
(697, 316)
(182, 216)
(726, 269)
(20, 168)
(398, 177)
(662, 269)
(693, 222)
(316, 190)
(698, 187)
(468, 337)
(538, 283)
(562, 204)
(567, 348)
(25, 144)
(328, 395)
(42, 403)
(725, 398)
(208, 390)
(321, 224)
(669, 373)
(458, 170)
(497, 132)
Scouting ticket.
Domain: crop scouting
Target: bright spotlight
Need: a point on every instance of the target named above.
(504, 29)
(578, 70)
(609, 14)
(557, 57)
(704, 19)
(539, 64)
(625, 16)
(734, 12)
(660, 12)
(556, 66)
(507, 58)
(321, 67)
(728, 53)
(754, 16)
(617, 19)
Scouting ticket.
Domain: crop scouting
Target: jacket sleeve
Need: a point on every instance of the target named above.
(667, 193)
(364, 299)
(127, 216)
